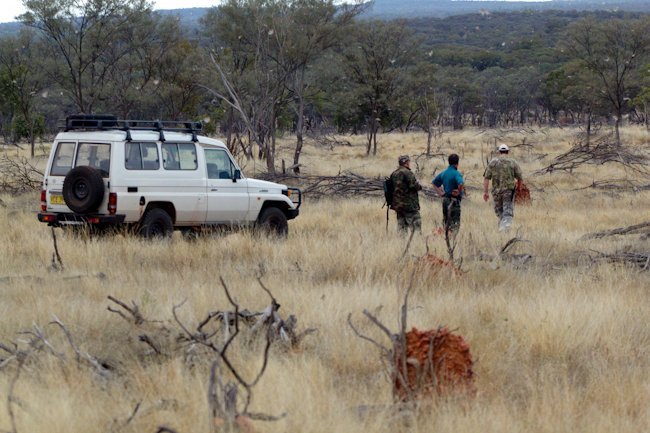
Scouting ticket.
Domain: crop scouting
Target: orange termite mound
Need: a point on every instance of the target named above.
(431, 262)
(522, 194)
(448, 371)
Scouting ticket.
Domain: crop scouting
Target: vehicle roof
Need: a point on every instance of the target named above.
(116, 135)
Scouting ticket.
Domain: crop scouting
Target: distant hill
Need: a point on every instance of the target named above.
(8, 29)
(444, 8)
(388, 9)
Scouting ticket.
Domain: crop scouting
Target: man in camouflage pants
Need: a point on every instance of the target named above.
(405, 196)
(503, 171)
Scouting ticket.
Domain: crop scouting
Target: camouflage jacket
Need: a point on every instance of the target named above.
(405, 192)
(503, 171)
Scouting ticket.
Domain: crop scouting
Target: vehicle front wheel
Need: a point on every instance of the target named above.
(156, 224)
(273, 221)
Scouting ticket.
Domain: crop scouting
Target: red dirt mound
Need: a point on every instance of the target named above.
(433, 263)
(448, 371)
(522, 194)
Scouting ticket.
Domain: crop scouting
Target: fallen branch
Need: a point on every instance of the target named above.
(641, 228)
(597, 152)
(341, 185)
(94, 362)
(133, 311)
(620, 185)
(638, 259)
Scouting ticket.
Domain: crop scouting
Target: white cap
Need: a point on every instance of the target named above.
(504, 148)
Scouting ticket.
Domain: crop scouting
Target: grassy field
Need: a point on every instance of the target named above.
(561, 343)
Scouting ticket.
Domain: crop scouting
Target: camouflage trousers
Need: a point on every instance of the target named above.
(451, 213)
(407, 221)
(504, 207)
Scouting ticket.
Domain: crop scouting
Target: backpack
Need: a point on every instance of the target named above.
(389, 187)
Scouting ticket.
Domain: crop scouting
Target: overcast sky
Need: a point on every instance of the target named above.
(9, 9)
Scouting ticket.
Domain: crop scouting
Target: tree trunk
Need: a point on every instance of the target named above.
(299, 127)
(617, 129)
(374, 141)
(229, 139)
(371, 128)
(270, 154)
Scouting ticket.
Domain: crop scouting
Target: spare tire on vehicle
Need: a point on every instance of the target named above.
(83, 189)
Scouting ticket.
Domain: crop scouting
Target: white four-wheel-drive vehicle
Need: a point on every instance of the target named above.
(154, 176)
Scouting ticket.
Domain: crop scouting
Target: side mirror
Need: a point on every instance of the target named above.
(236, 176)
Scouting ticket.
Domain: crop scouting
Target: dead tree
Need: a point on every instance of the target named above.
(18, 175)
(642, 229)
(341, 185)
(597, 152)
(227, 413)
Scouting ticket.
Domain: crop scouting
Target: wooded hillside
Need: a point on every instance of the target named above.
(255, 69)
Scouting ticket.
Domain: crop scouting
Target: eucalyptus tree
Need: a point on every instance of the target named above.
(375, 62)
(612, 50)
(90, 38)
(22, 83)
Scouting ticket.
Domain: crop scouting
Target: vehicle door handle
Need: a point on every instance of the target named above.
(214, 189)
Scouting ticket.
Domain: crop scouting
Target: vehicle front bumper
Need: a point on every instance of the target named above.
(57, 219)
(292, 213)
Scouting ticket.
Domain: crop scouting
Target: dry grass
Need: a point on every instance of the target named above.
(562, 343)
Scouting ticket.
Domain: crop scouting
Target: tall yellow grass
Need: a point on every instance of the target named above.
(562, 343)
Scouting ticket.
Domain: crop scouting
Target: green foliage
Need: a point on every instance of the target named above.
(295, 65)
(27, 128)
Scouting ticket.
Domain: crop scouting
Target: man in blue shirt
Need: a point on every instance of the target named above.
(450, 185)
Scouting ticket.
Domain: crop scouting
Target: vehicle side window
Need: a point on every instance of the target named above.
(141, 156)
(94, 155)
(181, 156)
(218, 164)
(62, 159)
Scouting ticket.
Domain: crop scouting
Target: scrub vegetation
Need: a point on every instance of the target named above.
(558, 332)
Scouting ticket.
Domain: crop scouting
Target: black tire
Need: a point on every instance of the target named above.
(83, 189)
(273, 221)
(156, 224)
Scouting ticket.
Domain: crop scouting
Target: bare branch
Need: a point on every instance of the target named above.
(263, 417)
(383, 348)
(376, 321)
(58, 322)
(634, 229)
(227, 324)
(134, 311)
(145, 339)
(103, 371)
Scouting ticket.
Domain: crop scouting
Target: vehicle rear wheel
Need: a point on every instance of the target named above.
(83, 189)
(273, 221)
(156, 224)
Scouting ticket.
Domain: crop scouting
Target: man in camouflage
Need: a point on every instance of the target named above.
(405, 196)
(502, 171)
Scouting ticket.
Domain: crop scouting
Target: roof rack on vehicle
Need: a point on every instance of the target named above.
(103, 122)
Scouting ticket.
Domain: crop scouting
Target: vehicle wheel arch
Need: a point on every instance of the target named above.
(283, 206)
(164, 205)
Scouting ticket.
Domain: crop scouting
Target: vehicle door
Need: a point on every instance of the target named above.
(71, 154)
(182, 182)
(227, 194)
